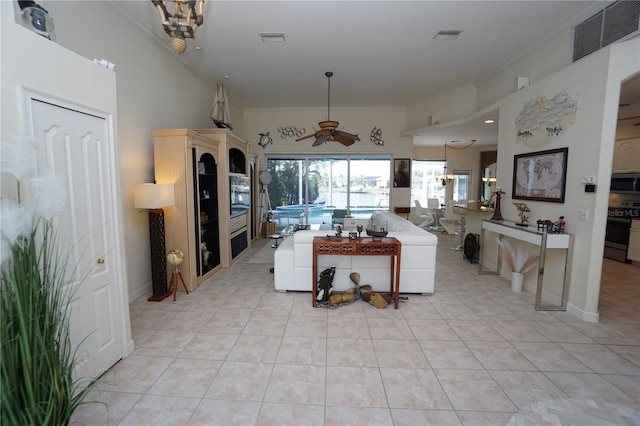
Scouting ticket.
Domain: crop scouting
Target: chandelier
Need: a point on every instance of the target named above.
(445, 177)
(180, 20)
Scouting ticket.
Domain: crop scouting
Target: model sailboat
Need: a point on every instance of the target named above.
(221, 113)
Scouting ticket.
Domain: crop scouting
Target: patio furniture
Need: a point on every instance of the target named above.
(427, 218)
(337, 218)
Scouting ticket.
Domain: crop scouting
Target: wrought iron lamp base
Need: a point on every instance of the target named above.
(158, 256)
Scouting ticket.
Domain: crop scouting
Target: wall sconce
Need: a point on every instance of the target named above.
(183, 22)
(36, 18)
(153, 197)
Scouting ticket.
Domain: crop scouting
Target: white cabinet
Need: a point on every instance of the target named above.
(633, 252)
(626, 158)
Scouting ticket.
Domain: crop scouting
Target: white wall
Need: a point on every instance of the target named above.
(550, 57)
(595, 82)
(448, 106)
(359, 121)
(155, 91)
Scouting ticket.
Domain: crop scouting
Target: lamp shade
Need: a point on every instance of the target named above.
(153, 195)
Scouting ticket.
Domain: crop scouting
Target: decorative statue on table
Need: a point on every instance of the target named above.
(325, 285)
(556, 227)
(497, 214)
(522, 209)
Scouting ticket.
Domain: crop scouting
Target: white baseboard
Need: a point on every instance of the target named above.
(582, 314)
(143, 291)
(571, 308)
(130, 348)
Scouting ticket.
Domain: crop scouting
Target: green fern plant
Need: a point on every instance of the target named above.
(37, 383)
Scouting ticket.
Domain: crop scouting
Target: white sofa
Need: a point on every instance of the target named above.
(293, 260)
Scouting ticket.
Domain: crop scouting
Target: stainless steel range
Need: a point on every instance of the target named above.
(616, 240)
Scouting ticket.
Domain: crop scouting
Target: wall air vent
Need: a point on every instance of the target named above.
(618, 21)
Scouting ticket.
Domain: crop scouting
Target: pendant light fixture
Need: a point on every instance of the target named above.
(445, 177)
(448, 177)
(180, 19)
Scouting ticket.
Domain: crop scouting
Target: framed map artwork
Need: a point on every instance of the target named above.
(540, 176)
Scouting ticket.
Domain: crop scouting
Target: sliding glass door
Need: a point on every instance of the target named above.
(307, 190)
(424, 181)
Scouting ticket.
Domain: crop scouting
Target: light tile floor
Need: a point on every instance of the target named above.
(473, 353)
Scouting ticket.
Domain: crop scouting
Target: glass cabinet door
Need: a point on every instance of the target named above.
(206, 208)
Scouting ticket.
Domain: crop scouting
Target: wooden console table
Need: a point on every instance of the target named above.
(531, 235)
(365, 246)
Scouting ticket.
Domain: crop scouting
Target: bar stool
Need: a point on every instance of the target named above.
(276, 238)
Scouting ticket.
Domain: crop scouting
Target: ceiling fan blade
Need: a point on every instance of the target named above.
(349, 135)
(321, 139)
(305, 137)
(343, 139)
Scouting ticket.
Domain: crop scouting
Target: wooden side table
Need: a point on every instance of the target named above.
(365, 246)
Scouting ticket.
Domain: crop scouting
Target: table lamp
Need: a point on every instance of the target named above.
(153, 197)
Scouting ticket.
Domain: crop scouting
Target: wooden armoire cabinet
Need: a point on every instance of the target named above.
(192, 162)
(210, 220)
(234, 175)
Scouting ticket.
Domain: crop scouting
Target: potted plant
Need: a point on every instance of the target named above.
(37, 356)
(518, 260)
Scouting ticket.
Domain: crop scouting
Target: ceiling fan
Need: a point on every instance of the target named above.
(329, 129)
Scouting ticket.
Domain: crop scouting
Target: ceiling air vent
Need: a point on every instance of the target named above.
(618, 21)
(447, 34)
(272, 37)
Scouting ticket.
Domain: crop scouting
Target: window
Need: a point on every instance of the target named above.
(424, 184)
(308, 189)
(461, 184)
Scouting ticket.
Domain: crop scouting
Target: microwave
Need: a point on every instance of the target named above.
(625, 182)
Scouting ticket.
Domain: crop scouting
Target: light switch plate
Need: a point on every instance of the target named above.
(583, 214)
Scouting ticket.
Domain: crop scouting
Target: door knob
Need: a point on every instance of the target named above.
(100, 261)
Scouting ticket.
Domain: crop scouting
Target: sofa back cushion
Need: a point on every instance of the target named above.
(391, 222)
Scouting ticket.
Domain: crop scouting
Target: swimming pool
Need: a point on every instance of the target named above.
(318, 214)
